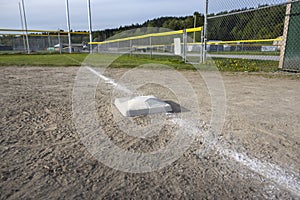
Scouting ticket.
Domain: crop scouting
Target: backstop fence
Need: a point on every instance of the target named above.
(257, 29)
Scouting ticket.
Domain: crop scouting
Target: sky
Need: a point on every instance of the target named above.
(51, 14)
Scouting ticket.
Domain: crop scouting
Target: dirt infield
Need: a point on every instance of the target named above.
(42, 156)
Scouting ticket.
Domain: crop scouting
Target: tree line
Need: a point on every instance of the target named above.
(150, 26)
(266, 23)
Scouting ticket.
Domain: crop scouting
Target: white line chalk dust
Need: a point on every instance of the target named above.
(282, 177)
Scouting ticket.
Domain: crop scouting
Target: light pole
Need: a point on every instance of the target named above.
(26, 29)
(68, 24)
(90, 24)
(22, 25)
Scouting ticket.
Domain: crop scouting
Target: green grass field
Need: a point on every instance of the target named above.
(127, 61)
(277, 53)
(42, 60)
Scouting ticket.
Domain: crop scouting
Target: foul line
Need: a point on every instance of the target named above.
(110, 81)
(276, 174)
(280, 176)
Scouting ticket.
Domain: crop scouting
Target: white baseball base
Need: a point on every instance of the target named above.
(141, 105)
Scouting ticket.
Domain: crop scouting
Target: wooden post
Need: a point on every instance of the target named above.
(285, 34)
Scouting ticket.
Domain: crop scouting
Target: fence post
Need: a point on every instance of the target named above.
(195, 22)
(202, 46)
(205, 31)
(59, 42)
(49, 40)
(285, 33)
(130, 47)
(90, 24)
(26, 29)
(150, 38)
(22, 23)
(184, 45)
(68, 25)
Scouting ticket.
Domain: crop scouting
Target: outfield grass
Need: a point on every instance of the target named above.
(127, 61)
(246, 53)
(42, 60)
(245, 65)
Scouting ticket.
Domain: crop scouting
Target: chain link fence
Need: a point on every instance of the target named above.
(248, 29)
(41, 42)
(154, 41)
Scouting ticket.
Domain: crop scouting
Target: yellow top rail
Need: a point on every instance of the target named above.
(197, 29)
(150, 35)
(245, 41)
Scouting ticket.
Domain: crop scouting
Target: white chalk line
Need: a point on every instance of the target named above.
(284, 178)
(110, 81)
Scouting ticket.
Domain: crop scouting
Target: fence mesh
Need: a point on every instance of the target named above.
(247, 29)
(41, 42)
(154, 41)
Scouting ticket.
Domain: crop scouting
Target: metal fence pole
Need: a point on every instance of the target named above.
(68, 24)
(49, 40)
(205, 32)
(183, 52)
(22, 24)
(59, 41)
(26, 28)
(150, 40)
(90, 24)
(130, 47)
(202, 47)
(184, 45)
(195, 21)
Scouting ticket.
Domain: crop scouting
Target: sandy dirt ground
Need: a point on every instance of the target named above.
(256, 155)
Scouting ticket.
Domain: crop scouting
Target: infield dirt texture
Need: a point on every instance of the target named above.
(42, 156)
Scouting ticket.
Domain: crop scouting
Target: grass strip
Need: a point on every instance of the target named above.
(132, 61)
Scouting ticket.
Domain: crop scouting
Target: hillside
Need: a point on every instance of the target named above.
(263, 24)
(173, 23)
